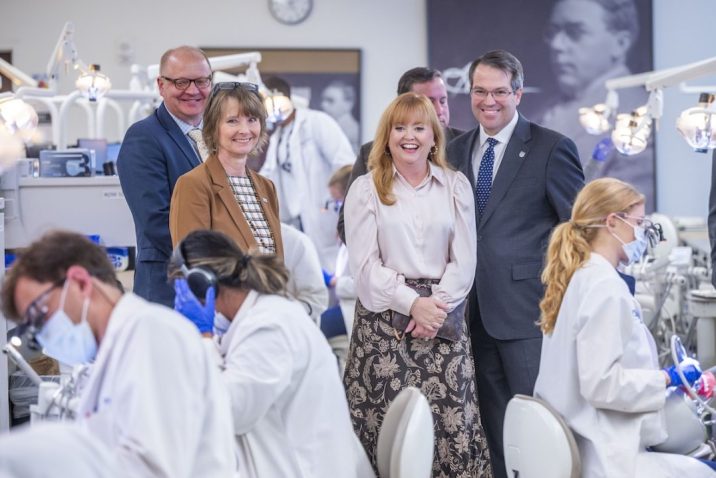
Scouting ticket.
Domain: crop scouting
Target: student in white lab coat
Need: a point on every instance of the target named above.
(305, 282)
(303, 153)
(599, 366)
(55, 449)
(289, 407)
(153, 396)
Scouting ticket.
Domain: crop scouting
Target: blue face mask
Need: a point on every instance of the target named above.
(65, 341)
(635, 249)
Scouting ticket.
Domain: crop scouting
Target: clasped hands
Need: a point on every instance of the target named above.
(427, 315)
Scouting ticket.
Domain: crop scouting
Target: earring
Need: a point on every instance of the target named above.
(433, 152)
(387, 152)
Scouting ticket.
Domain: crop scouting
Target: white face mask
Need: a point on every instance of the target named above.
(65, 341)
(221, 324)
(635, 249)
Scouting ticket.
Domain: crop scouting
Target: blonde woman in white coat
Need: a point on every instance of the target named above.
(599, 366)
(289, 407)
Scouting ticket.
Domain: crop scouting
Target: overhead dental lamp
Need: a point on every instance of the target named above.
(278, 106)
(93, 84)
(631, 132)
(697, 125)
(596, 119)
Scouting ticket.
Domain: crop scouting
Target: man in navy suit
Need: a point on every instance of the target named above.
(155, 152)
(525, 178)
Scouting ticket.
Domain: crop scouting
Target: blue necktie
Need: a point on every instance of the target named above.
(484, 175)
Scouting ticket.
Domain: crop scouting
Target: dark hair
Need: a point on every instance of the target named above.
(250, 104)
(213, 250)
(420, 74)
(47, 260)
(179, 50)
(620, 15)
(502, 60)
(278, 84)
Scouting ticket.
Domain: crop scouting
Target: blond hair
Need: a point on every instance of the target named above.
(570, 244)
(400, 110)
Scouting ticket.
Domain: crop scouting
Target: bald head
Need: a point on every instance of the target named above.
(187, 63)
(182, 54)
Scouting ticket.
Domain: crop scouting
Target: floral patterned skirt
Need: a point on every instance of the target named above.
(379, 367)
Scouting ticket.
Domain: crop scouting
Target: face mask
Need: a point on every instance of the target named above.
(221, 324)
(65, 341)
(635, 249)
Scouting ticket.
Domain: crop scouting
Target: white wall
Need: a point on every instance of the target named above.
(684, 33)
(391, 34)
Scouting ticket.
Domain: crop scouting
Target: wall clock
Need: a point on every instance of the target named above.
(290, 12)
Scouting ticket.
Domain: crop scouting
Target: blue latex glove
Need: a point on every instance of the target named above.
(186, 303)
(327, 276)
(691, 369)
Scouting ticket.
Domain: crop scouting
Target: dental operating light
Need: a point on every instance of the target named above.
(93, 84)
(697, 125)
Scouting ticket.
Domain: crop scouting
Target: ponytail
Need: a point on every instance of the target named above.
(568, 250)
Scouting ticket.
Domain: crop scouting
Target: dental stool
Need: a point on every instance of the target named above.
(405, 441)
(537, 441)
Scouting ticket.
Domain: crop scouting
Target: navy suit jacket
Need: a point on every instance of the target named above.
(533, 190)
(153, 155)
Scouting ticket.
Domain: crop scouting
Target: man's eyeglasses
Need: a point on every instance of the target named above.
(498, 94)
(233, 85)
(36, 313)
(183, 83)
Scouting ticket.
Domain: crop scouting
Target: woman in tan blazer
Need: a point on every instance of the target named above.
(222, 194)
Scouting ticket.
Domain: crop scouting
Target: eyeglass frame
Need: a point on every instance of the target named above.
(36, 313)
(498, 95)
(233, 85)
(173, 81)
(642, 222)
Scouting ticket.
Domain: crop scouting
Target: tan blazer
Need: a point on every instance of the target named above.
(203, 199)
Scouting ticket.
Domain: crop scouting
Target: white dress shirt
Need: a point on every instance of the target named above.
(429, 233)
(503, 137)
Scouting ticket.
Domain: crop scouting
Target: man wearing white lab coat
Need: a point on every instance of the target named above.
(604, 379)
(153, 397)
(303, 153)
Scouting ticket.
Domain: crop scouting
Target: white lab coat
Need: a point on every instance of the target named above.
(55, 449)
(599, 370)
(305, 282)
(318, 147)
(155, 398)
(345, 289)
(290, 412)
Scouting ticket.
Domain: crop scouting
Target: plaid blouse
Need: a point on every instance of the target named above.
(245, 195)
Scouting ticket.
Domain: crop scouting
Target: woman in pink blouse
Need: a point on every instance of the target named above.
(410, 233)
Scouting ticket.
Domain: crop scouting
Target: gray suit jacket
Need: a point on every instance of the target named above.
(534, 188)
(360, 167)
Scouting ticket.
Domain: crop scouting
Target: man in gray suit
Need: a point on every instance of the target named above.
(525, 178)
(421, 80)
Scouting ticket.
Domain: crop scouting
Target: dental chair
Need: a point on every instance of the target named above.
(405, 441)
(537, 441)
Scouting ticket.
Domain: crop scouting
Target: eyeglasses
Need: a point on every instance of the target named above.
(233, 85)
(183, 83)
(639, 221)
(498, 94)
(37, 311)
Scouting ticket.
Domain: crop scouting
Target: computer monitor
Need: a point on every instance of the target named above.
(100, 151)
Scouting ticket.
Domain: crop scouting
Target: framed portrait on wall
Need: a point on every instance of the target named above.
(322, 79)
(568, 49)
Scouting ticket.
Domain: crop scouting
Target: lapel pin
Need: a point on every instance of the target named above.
(522, 154)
